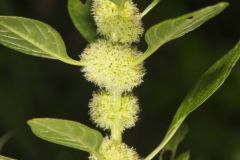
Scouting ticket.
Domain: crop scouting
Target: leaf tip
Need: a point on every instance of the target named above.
(30, 121)
(224, 4)
(34, 120)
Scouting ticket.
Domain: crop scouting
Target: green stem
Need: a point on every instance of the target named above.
(150, 7)
(142, 57)
(161, 155)
(155, 152)
(173, 154)
(72, 62)
(116, 132)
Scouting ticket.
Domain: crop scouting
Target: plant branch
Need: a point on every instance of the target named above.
(150, 7)
(116, 131)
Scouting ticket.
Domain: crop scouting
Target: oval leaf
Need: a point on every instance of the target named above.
(68, 133)
(82, 19)
(171, 29)
(210, 81)
(5, 158)
(34, 38)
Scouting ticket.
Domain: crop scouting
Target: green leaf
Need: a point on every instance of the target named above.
(171, 29)
(5, 158)
(67, 133)
(209, 82)
(80, 14)
(34, 38)
(150, 7)
(183, 156)
(178, 137)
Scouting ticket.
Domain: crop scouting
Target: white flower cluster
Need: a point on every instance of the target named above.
(118, 24)
(103, 110)
(113, 151)
(110, 66)
(109, 63)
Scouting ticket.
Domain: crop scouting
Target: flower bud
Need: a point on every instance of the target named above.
(116, 151)
(106, 112)
(118, 23)
(110, 66)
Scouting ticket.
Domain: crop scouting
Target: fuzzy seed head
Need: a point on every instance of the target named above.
(115, 151)
(110, 66)
(118, 24)
(106, 112)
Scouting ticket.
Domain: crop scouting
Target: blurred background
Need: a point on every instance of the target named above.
(34, 87)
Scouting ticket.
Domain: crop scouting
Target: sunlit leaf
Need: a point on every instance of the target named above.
(68, 133)
(80, 14)
(34, 38)
(5, 158)
(171, 29)
(209, 82)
